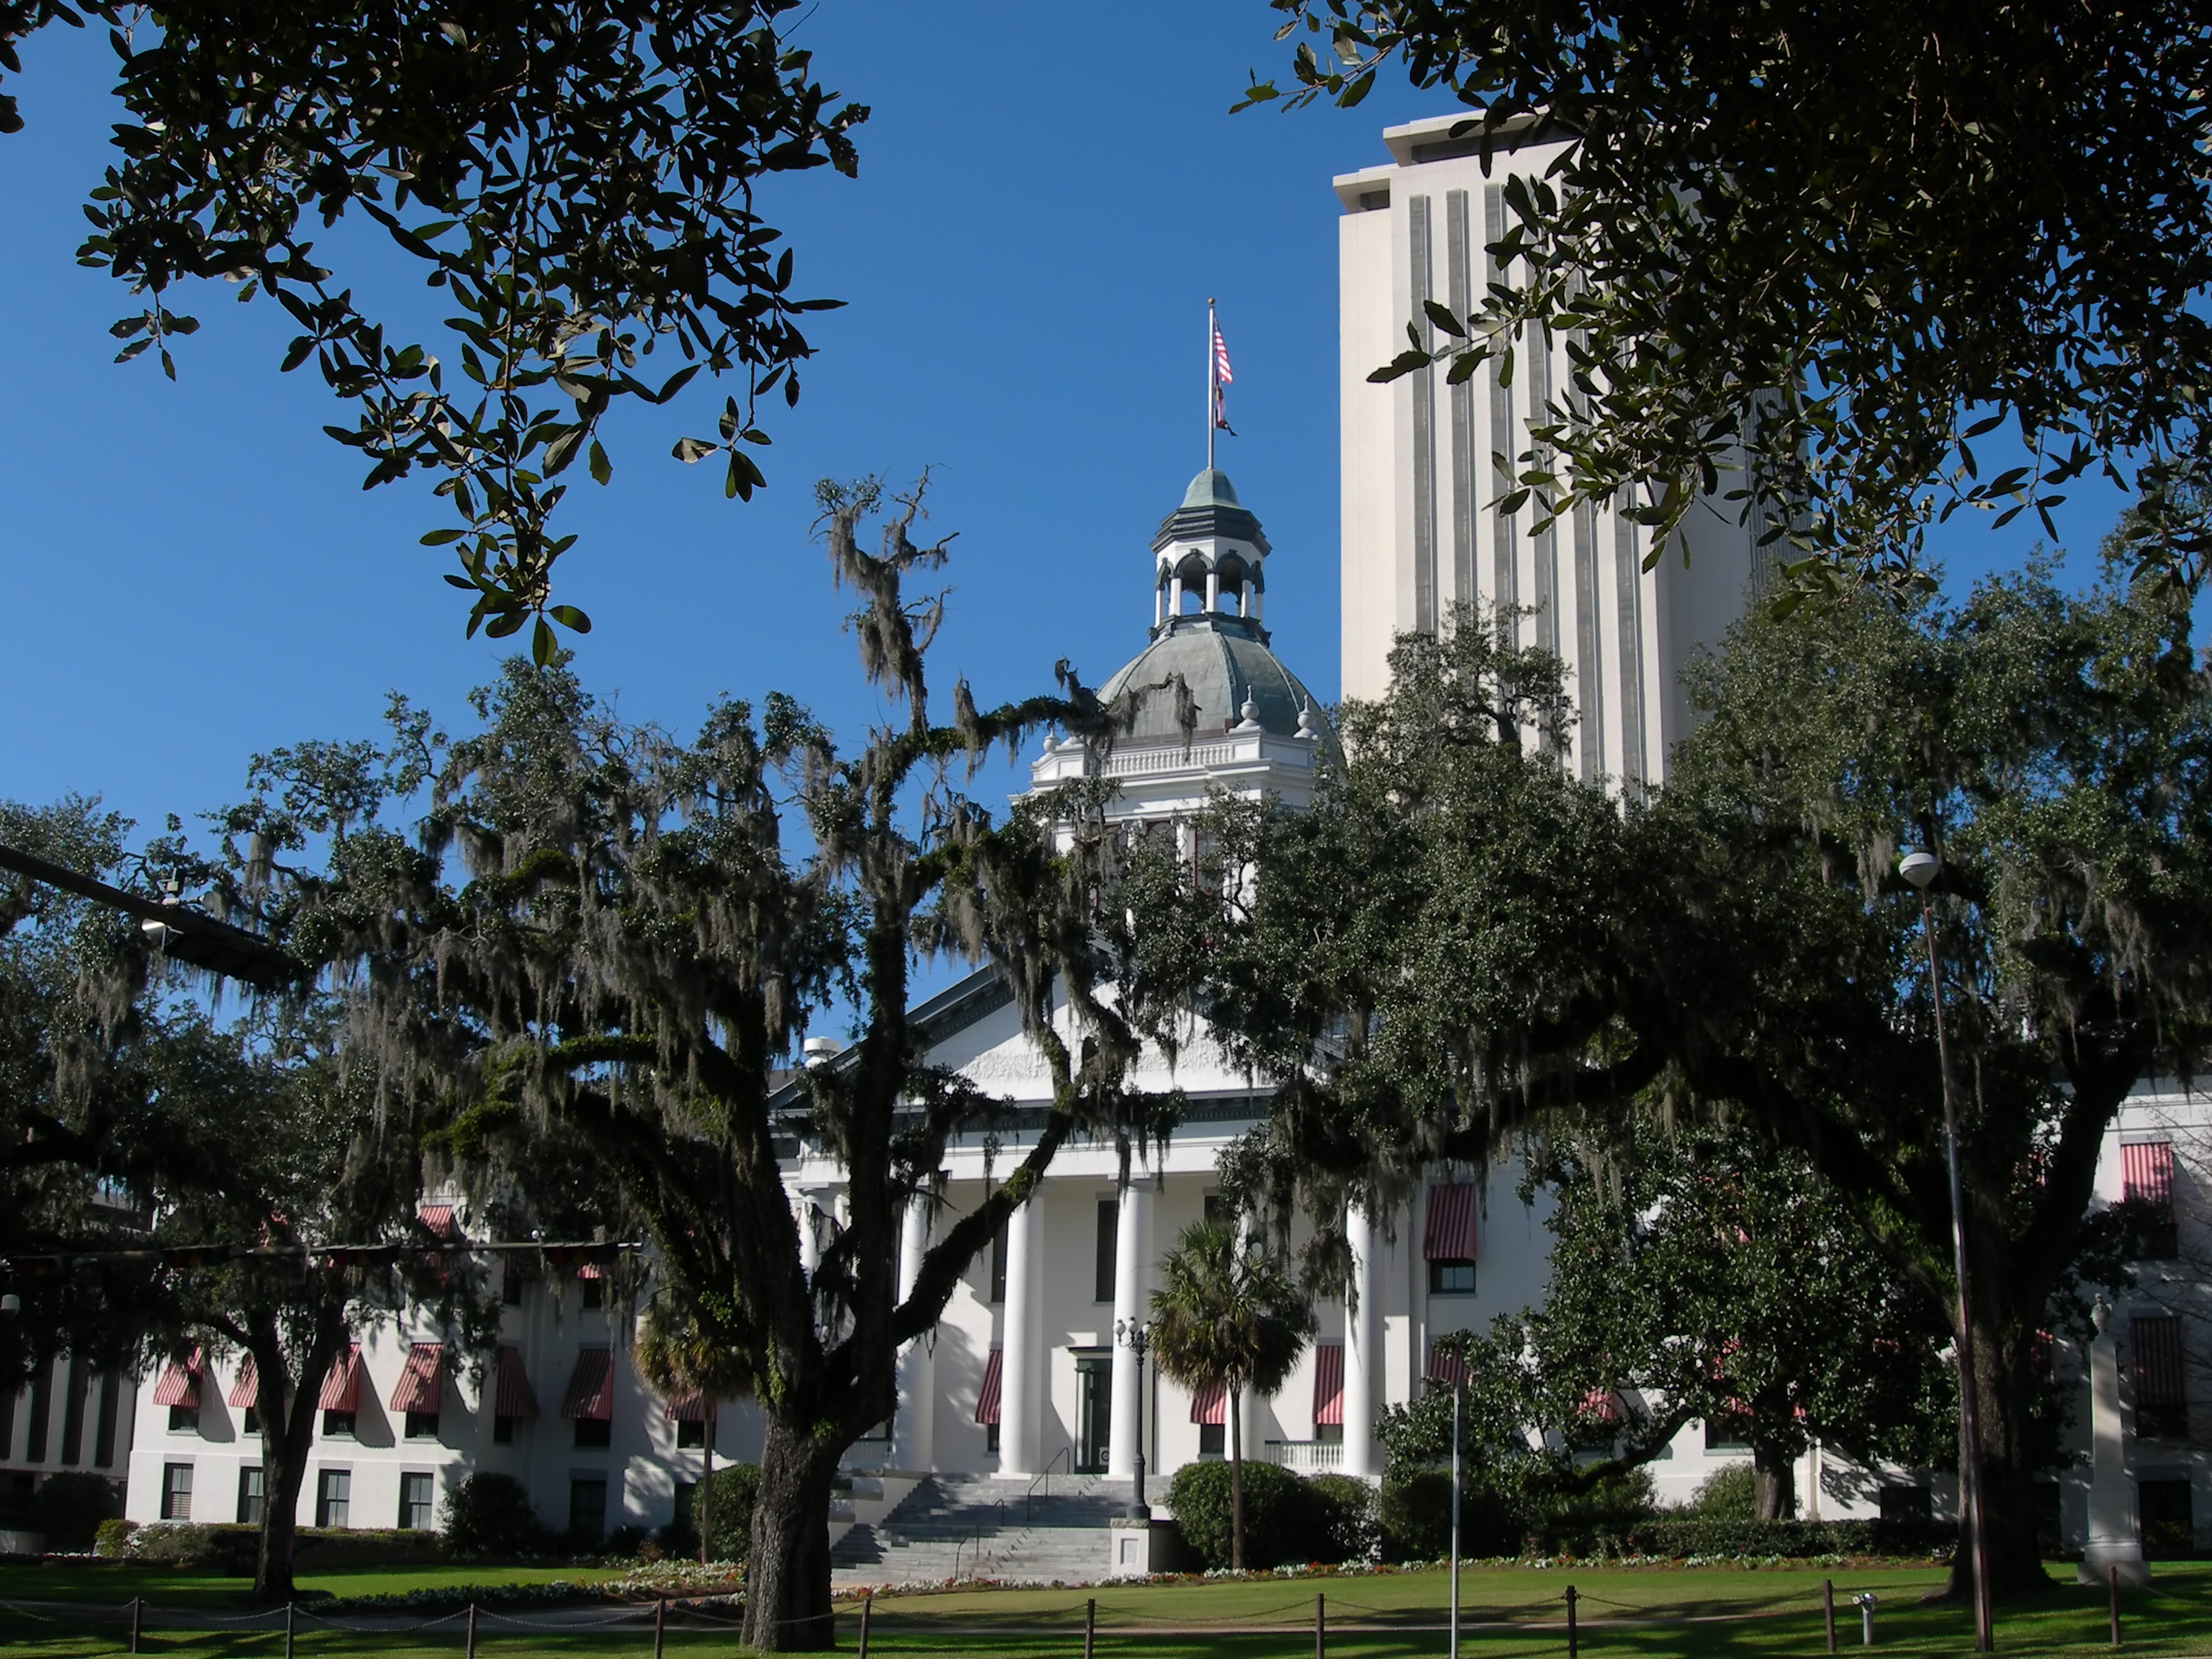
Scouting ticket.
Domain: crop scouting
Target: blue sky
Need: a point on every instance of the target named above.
(193, 572)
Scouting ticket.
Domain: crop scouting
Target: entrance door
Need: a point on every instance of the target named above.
(1094, 1388)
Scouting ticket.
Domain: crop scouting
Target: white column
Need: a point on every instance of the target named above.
(1213, 589)
(1175, 594)
(1020, 1373)
(2112, 1539)
(1362, 1345)
(914, 1436)
(1133, 1257)
(1159, 602)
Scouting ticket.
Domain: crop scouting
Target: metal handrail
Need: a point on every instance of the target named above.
(1044, 1475)
(976, 1539)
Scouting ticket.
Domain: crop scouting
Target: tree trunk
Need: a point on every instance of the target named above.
(2008, 1477)
(1774, 1482)
(287, 1434)
(787, 1575)
(1236, 1478)
(701, 1510)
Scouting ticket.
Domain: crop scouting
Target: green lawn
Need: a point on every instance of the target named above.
(1511, 1613)
(175, 1587)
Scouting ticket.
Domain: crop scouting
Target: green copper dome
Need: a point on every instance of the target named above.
(1224, 663)
(1211, 487)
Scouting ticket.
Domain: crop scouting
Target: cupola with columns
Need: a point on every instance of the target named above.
(1208, 557)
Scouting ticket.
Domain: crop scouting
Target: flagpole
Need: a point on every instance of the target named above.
(1212, 385)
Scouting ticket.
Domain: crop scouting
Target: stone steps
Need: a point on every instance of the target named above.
(975, 1526)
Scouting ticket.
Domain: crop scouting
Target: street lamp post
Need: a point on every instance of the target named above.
(1919, 867)
(1459, 1397)
(1138, 1336)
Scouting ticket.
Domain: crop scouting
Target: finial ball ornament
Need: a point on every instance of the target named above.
(1919, 867)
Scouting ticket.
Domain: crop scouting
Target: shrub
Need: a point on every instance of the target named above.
(1341, 1519)
(1278, 1514)
(1729, 1493)
(734, 1490)
(490, 1515)
(182, 1544)
(112, 1538)
(71, 1507)
(1413, 1512)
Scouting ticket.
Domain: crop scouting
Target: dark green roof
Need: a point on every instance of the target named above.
(1223, 659)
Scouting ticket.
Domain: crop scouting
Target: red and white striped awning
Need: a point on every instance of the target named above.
(341, 1387)
(1328, 1385)
(2157, 1361)
(688, 1407)
(438, 1218)
(1210, 1403)
(1451, 1231)
(181, 1385)
(422, 1380)
(246, 1391)
(1446, 1367)
(511, 1393)
(2147, 1171)
(591, 1386)
(1603, 1406)
(994, 1383)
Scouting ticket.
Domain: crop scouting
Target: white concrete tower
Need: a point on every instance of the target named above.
(1422, 473)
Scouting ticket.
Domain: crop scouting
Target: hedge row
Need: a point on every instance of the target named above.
(1676, 1537)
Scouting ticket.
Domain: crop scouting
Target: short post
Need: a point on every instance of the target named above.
(469, 1641)
(2112, 1591)
(1573, 1636)
(1321, 1626)
(1865, 1602)
(137, 1602)
(1828, 1610)
(1090, 1625)
(660, 1619)
(291, 1613)
(867, 1608)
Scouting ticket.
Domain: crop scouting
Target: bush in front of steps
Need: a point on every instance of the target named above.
(1329, 1518)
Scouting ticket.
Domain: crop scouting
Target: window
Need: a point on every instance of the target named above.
(991, 1438)
(593, 1290)
(1109, 1216)
(1905, 1503)
(184, 1420)
(333, 1497)
(103, 1432)
(2169, 1523)
(592, 1432)
(1451, 1279)
(503, 1431)
(415, 1502)
(337, 1425)
(999, 1264)
(690, 1432)
(42, 1410)
(1726, 1434)
(587, 1510)
(2161, 1405)
(510, 1290)
(252, 1495)
(2147, 1192)
(1212, 1440)
(252, 1421)
(176, 1491)
(1329, 1434)
(1216, 1209)
(422, 1425)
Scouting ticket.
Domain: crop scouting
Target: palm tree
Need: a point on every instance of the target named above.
(675, 1358)
(1228, 1315)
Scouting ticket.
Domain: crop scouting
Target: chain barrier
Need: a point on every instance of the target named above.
(1084, 1619)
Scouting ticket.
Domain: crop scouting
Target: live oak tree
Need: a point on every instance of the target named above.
(580, 177)
(1852, 245)
(1699, 1271)
(277, 1146)
(1229, 1315)
(1452, 944)
(636, 932)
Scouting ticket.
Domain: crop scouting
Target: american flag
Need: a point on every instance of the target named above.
(1221, 377)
